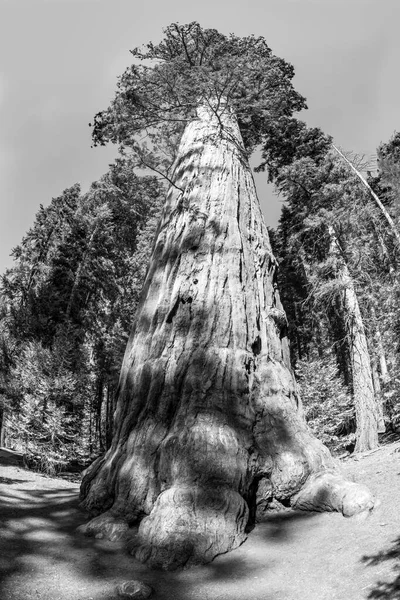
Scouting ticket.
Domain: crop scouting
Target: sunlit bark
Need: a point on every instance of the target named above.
(208, 422)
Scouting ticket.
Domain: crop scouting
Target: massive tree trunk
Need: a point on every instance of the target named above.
(366, 406)
(208, 422)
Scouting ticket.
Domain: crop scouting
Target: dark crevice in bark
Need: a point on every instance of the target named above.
(173, 310)
(256, 346)
(248, 364)
(251, 500)
(286, 502)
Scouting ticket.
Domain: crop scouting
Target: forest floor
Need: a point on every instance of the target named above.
(290, 556)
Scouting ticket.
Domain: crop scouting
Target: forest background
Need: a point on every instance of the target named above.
(68, 300)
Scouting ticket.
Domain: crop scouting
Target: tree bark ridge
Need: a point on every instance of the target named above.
(208, 420)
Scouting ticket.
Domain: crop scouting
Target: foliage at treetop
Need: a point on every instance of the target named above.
(159, 93)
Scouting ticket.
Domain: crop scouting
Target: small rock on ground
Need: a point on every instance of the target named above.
(134, 589)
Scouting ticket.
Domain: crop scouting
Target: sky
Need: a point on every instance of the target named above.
(60, 59)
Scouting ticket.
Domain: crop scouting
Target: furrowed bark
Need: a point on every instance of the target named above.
(363, 388)
(208, 422)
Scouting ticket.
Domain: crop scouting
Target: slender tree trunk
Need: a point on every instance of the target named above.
(298, 340)
(2, 428)
(388, 261)
(317, 329)
(382, 358)
(378, 396)
(109, 415)
(375, 376)
(339, 335)
(384, 377)
(77, 279)
(99, 406)
(381, 352)
(80, 271)
(90, 429)
(208, 421)
(381, 207)
(362, 384)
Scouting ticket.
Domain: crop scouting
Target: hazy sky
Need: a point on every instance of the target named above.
(59, 62)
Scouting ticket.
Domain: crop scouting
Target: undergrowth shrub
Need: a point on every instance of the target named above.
(47, 422)
(327, 403)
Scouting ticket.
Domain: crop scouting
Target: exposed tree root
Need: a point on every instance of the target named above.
(191, 526)
(328, 491)
(105, 526)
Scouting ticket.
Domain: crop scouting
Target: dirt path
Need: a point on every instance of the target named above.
(292, 556)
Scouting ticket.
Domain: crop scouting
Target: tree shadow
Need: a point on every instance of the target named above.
(38, 531)
(10, 481)
(386, 590)
(39, 543)
(280, 525)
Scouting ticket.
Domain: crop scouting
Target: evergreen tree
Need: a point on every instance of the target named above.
(208, 421)
(67, 312)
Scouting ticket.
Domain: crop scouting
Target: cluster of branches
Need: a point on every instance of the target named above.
(160, 92)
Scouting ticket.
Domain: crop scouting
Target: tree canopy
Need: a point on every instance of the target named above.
(158, 94)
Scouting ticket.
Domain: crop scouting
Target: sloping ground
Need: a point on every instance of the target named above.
(291, 556)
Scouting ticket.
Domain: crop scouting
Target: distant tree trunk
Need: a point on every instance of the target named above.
(80, 271)
(315, 321)
(90, 428)
(2, 427)
(109, 414)
(75, 286)
(375, 376)
(380, 350)
(208, 421)
(362, 385)
(378, 396)
(381, 207)
(339, 334)
(99, 406)
(382, 358)
(387, 259)
(297, 337)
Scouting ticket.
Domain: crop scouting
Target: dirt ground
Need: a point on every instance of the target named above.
(291, 556)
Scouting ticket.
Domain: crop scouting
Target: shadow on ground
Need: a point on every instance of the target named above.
(42, 555)
(386, 590)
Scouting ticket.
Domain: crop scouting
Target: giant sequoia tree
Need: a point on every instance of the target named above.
(208, 424)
